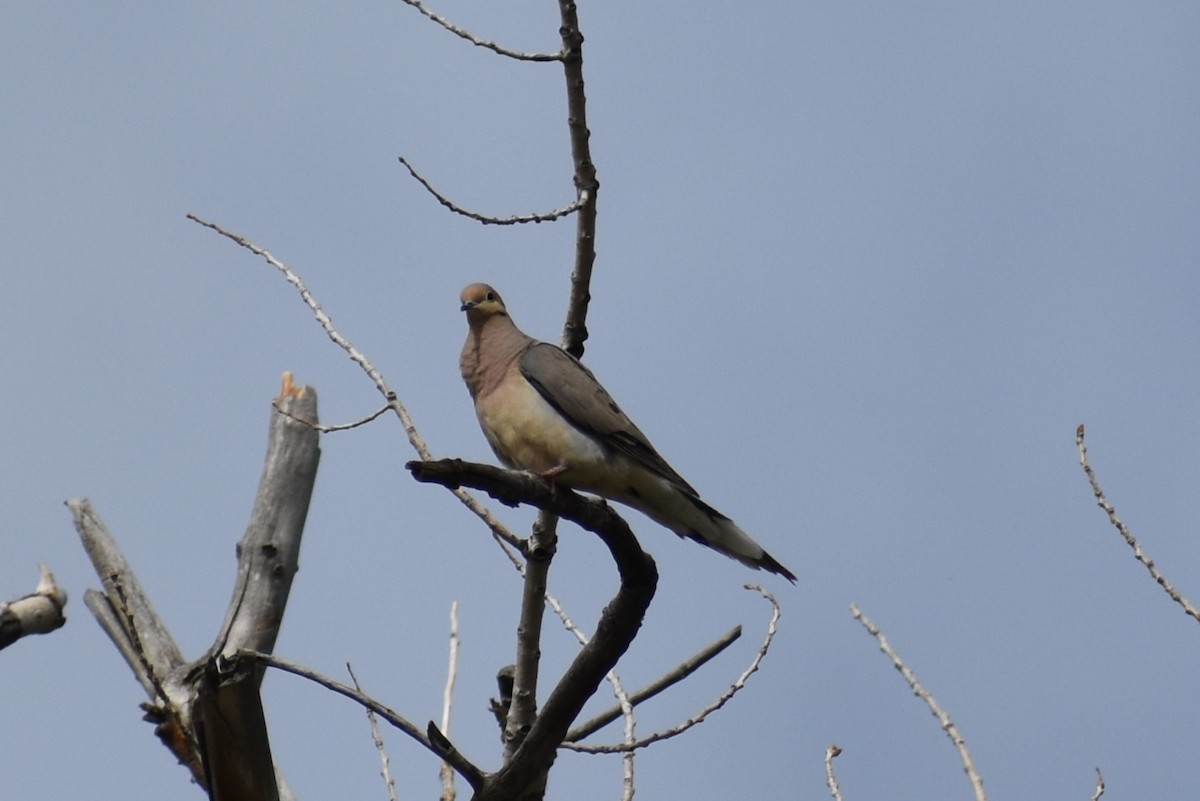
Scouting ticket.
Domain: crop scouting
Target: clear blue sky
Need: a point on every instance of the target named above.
(863, 267)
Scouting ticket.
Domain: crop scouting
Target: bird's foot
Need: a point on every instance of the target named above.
(553, 472)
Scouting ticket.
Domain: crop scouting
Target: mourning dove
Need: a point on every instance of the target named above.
(543, 411)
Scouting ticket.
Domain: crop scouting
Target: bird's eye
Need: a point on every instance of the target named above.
(490, 296)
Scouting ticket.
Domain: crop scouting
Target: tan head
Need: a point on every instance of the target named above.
(481, 303)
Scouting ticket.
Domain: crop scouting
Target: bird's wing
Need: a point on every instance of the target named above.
(575, 393)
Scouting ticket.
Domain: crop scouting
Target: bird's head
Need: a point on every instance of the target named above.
(481, 302)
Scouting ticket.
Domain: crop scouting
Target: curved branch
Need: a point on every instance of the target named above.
(475, 40)
(1130, 540)
(919, 690)
(669, 679)
(832, 753)
(331, 428)
(615, 631)
(466, 769)
(516, 219)
(499, 531)
(720, 701)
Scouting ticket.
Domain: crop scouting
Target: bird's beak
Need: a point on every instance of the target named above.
(467, 305)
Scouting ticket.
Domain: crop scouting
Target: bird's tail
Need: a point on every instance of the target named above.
(688, 516)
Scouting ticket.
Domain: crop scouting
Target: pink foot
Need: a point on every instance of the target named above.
(553, 472)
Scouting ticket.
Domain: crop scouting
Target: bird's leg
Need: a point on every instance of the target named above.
(553, 472)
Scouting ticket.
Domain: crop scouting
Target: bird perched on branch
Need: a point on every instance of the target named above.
(543, 411)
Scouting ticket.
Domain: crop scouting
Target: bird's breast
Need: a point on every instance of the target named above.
(528, 433)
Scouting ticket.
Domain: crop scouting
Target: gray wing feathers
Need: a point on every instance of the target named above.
(575, 393)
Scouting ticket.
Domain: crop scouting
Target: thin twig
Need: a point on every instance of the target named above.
(944, 719)
(473, 39)
(327, 429)
(832, 753)
(669, 679)
(627, 766)
(486, 219)
(447, 772)
(1099, 786)
(385, 769)
(474, 776)
(499, 530)
(1138, 553)
(716, 704)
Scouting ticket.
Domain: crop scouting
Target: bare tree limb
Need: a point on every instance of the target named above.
(230, 725)
(1130, 540)
(385, 769)
(586, 184)
(269, 552)
(127, 616)
(720, 701)
(39, 612)
(669, 679)
(539, 554)
(615, 631)
(475, 40)
(447, 772)
(499, 531)
(832, 753)
(209, 713)
(468, 771)
(329, 429)
(629, 736)
(138, 619)
(487, 219)
(232, 733)
(947, 724)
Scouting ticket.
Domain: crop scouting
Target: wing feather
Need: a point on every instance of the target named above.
(575, 393)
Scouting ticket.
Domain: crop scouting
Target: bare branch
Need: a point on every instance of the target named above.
(499, 531)
(39, 612)
(231, 730)
(832, 753)
(540, 552)
(1130, 540)
(468, 771)
(127, 616)
(140, 634)
(944, 719)
(447, 772)
(385, 769)
(674, 676)
(719, 702)
(328, 429)
(515, 219)
(627, 766)
(586, 184)
(269, 552)
(616, 629)
(470, 37)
